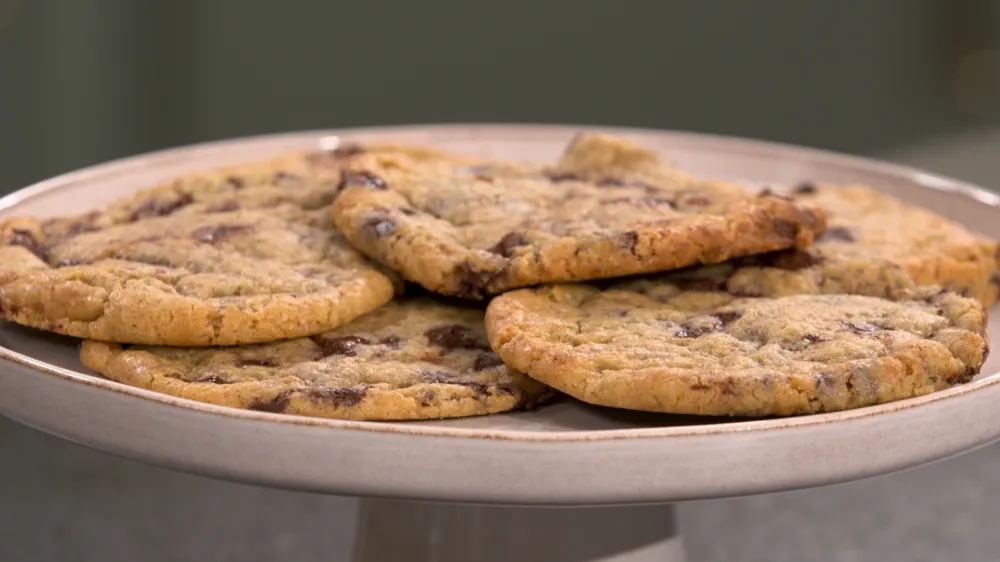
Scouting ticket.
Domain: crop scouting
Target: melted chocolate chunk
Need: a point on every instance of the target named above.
(629, 240)
(153, 208)
(700, 284)
(213, 379)
(691, 330)
(472, 281)
(224, 207)
(806, 188)
(340, 397)
(236, 182)
(25, 239)
(392, 342)
(344, 345)
(213, 234)
(838, 234)
(360, 179)
(768, 192)
(699, 386)
(860, 328)
(813, 338)
(505, 247)
(282, 177)
(727, 317)
(966, 376)
(995, 278)
(275, 405)
(824, 381)
(443, 377)
(642, 201)
(792, 260)
(407, 211)
(348, 149)
(557, 177)
(785, 229)
(378, 226)
(616, 182)
(696, 200)
(455, 336)
(256, 362)
(69, 262)
(486, 360)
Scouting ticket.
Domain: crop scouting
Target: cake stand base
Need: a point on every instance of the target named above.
(426, 532)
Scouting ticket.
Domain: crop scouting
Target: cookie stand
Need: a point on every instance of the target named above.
(564, 483)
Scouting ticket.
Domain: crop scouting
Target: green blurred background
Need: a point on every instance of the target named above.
(83, 81)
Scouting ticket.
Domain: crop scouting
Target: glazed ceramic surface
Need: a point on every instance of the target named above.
(563, 454)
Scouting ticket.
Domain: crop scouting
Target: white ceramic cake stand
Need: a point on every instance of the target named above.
(470, 490)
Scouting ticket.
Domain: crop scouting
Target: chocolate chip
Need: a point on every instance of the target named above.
(642, 201)
(256, 362)
(700, 284)
(824, 380)
(616, 182)
(281, 177)
(392, 342)
(378, 226)
(966, 376)
(275, 405)
(212, 379)
(69, 262)
(505, 247)
(557, 177)
(727, 317)
(699, 386)
(454, 336)
(792, 260)
(805, 188)
(236, 182)
(427, 398)
(340, 397)
(838, 234)
(25, 239)
(444, 377)
(153, 208)
(767, 192)
(694, 201)
(472, 281)
(360, 179)
(344, 345)
(486, 360)
(860, 328)
(785, 229)
(629, 240)
(225, 207)
(346, 150)
(213, 234)
(813, 338)
(692, 330)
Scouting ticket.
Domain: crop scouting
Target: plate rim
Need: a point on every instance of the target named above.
(746, 145)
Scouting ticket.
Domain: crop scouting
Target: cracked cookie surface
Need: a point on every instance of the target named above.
(414, 358)
(608, 208)
(664, 347)
(238, 255)
(874, 245)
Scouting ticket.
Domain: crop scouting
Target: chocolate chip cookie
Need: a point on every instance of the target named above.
(607, 208)
(665, 347)
(411, 359)
(874, 245)
(240, 255)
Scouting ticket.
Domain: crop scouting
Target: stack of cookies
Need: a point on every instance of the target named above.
(397, 282)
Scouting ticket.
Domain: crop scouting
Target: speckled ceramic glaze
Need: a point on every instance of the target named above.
(563, 454)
